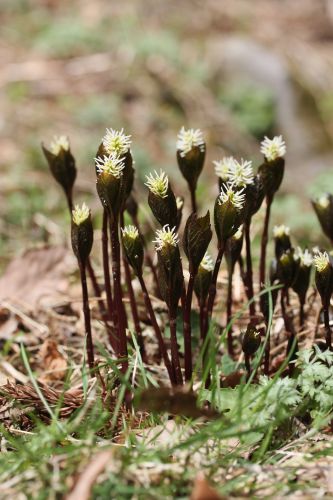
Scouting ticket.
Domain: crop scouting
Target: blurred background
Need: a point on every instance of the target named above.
(237, 69)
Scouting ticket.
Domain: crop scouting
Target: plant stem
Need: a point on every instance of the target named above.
(92, 276)
(134, 309)
(188, 328)
(174, 346)
(119, 316)
(157, 330)
(267, 355)
(247, 365)
(212, 288)
(264, 240)
(107, 281)
(249, 270)
(301, 312)
(148, 257)
(229, 313)
(193, 200)
(86, 313)
(327, 327)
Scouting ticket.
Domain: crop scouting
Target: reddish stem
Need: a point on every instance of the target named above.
(188, 328)
(264, 240)
(86, 313)
(157, 330)
(174, 347)
(249, 270)
(119, 318)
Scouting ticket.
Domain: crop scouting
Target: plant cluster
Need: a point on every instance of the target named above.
(241, 193)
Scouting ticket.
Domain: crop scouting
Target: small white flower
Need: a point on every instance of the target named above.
(241, 173)
(130, 232)
(305, 257)
(223, 167)
(158, 184)
(80, 214)
(321, 261)
(273, 148)
(280, 231)
(166, 236)
(59, 143)
(228, 193)
(188, 139)
(110, 164)
(207, 262)
(116, 141)
(323, 201)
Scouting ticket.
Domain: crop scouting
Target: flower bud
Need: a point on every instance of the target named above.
(161, 199)
(324, 277)
(251, 340)
(170, 275)
(133, 247)
(197, 236)
(109, 183)
(203, 278)
(61, 163)
(282, 240)
(303, 273)
(323, 206)
(254, 196)
(82, 233)
(272, 170)
(286, 268)
(191, 151)
(233, 249)
(228, 212)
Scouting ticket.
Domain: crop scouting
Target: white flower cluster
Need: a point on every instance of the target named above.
(59, 143)
(112, 164)
(238, 173)
(115, 144)
(80, 214)
(230, 194)
(305, 257)
(321, 261)
(166, 236)
(158, 183)
(130, 231)
(280, 231)
(273, 148)
(188, 139)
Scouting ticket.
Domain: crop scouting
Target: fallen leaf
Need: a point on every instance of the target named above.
(86, 480)
(36, 275)
(52, 362)
(203, 491)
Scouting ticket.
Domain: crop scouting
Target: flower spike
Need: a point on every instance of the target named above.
(158, 184)
(188, 139)
(273, 148)
(116, 142)
(111, 165)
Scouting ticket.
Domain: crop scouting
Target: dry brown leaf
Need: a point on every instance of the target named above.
(86, 480)
(203, 491)
(52, 362)
(36, 275)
